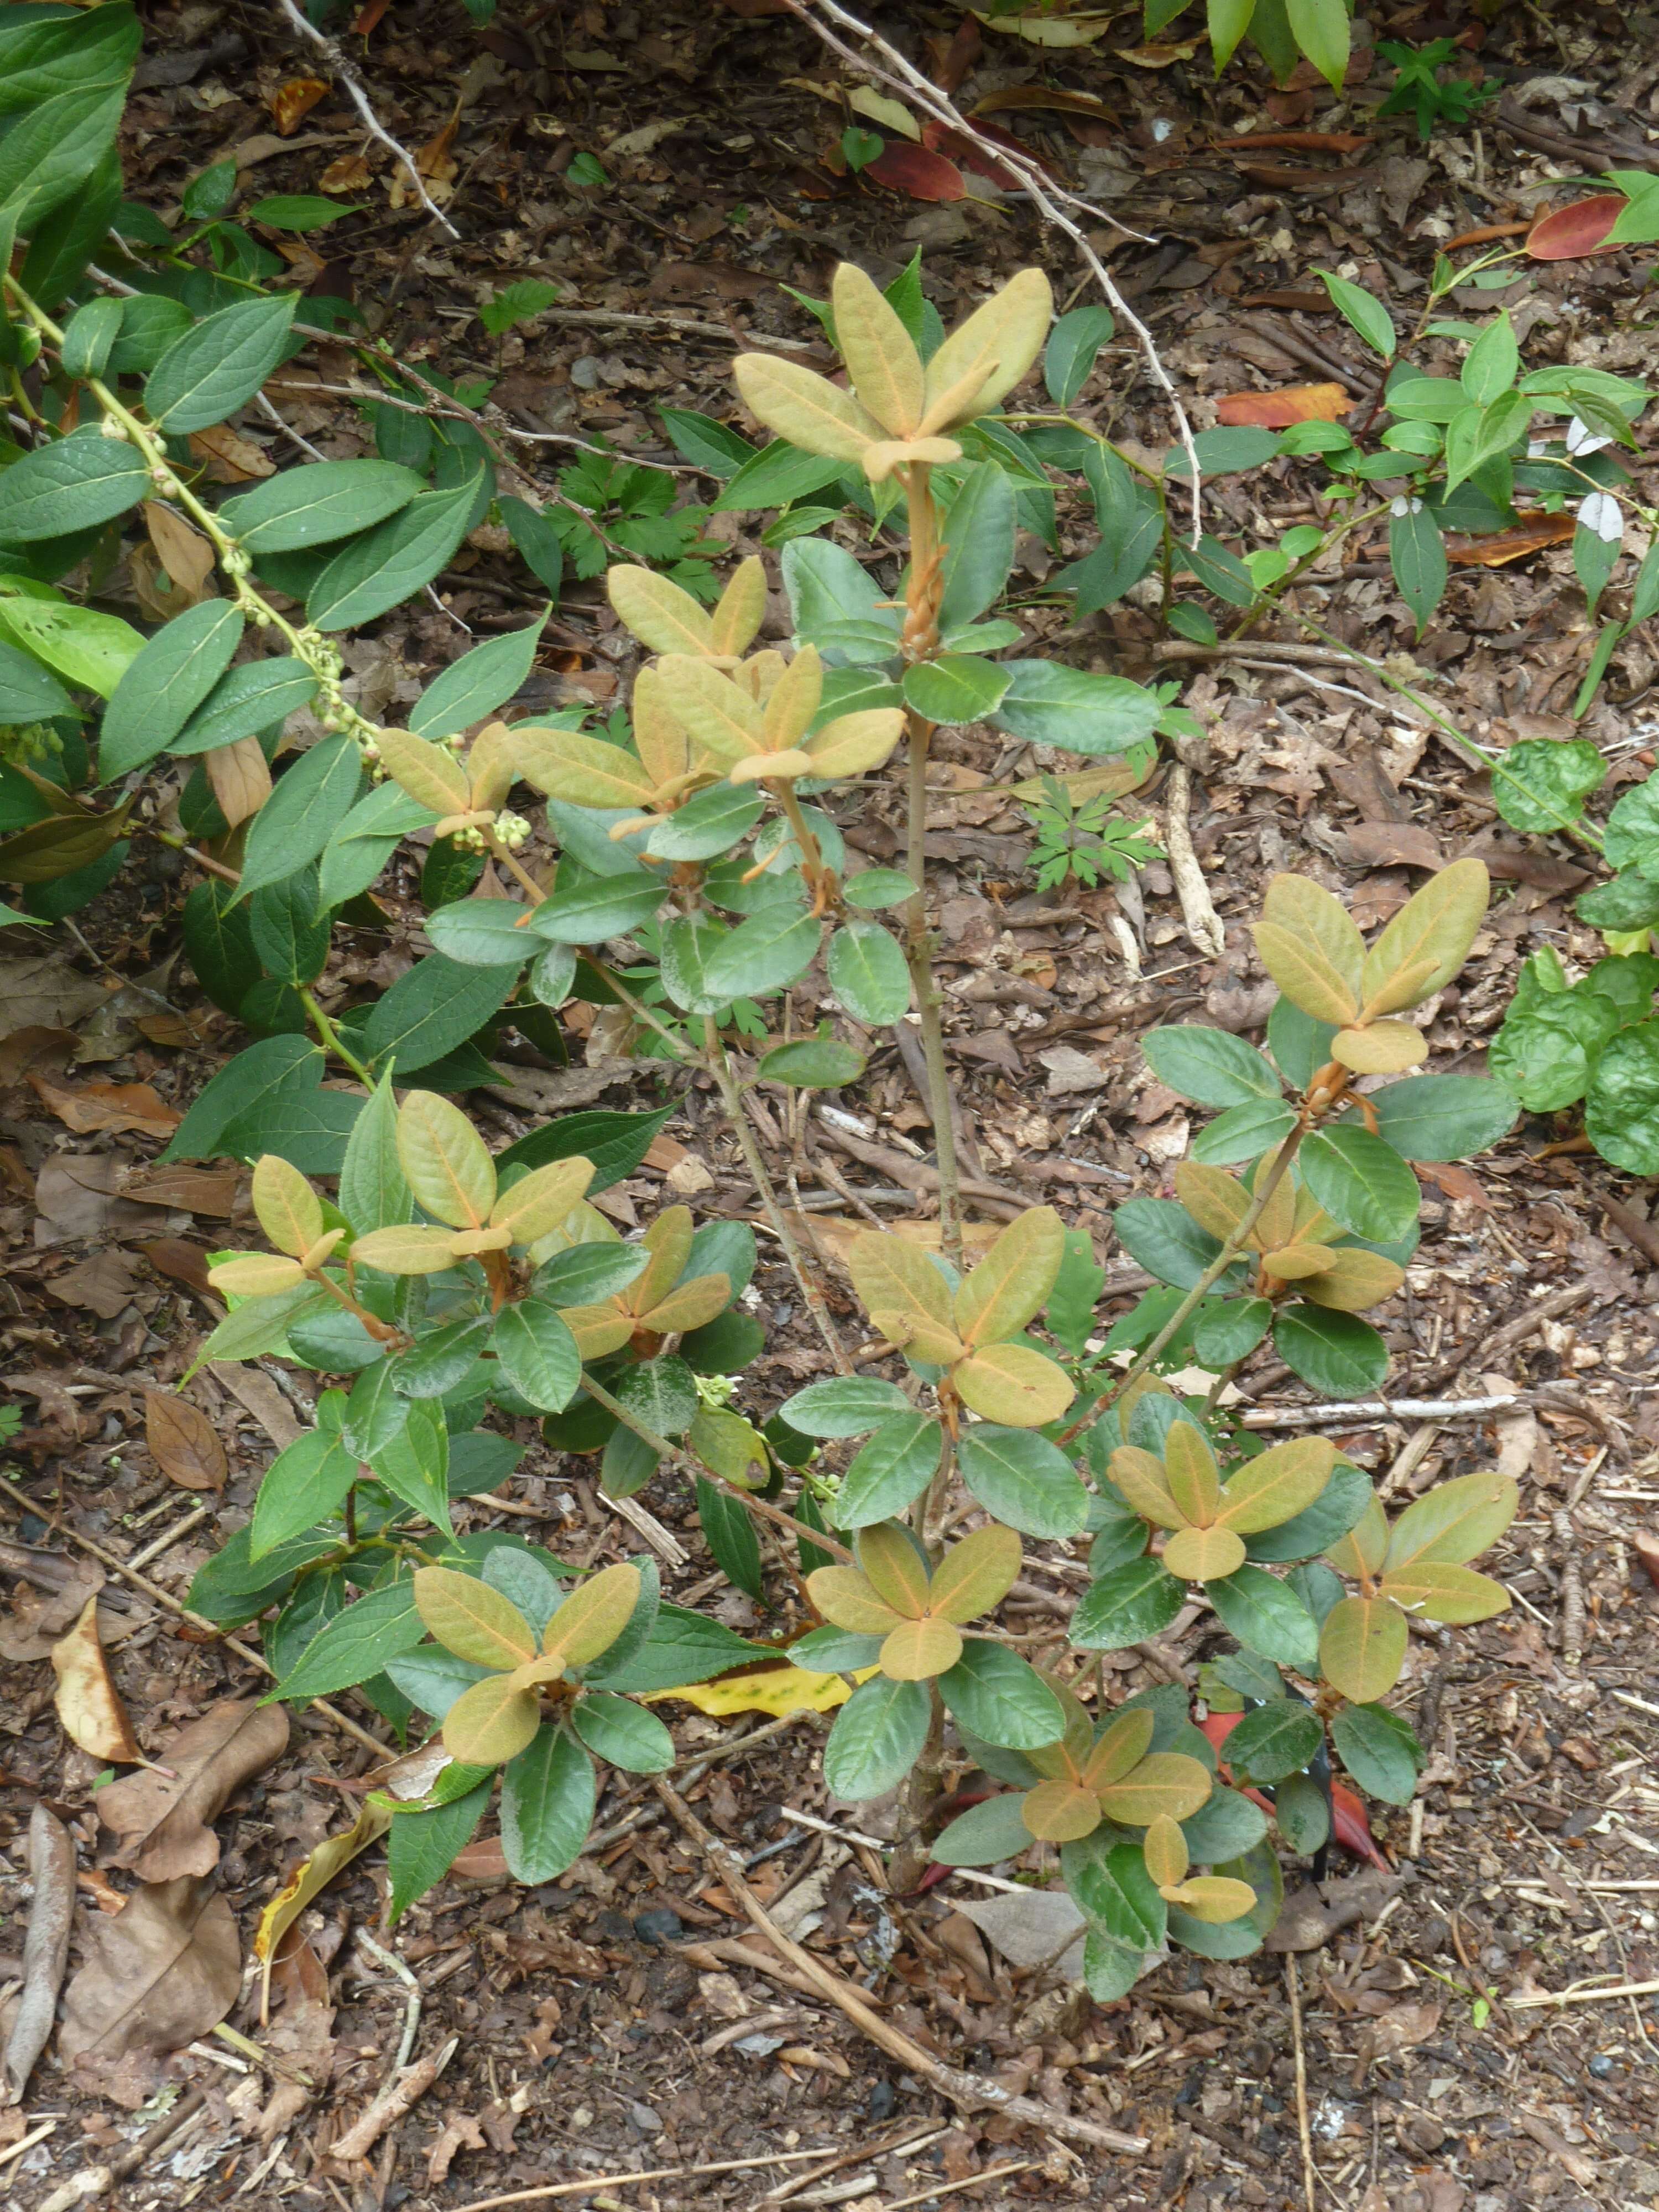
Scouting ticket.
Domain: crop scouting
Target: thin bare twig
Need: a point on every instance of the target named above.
(1309, 2172)
(1385, 1409)
(342, 68)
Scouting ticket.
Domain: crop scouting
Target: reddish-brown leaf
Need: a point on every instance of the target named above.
(1298, 141)
(368, 18)
(957, 146)
(1569, 234)
(164, 1815)
(952, 63)
(211, 1191)
(1647, 1550)
(107, 1106)
(183, 1441)
(1054, 98)
(916, 172)
(175, 1256)
(1531, 533)
(1457, 1182)
(1276, 410)
(292, 101)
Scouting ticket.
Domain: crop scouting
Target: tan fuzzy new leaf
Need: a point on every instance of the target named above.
(1304, 974)
(665, 750)
(1382, 1049)
(886, 455)
(88, 1703)
(1455, 1595)
(881, 358)
(445, 1161)
(1355, 1280)
(593, 1617)
(582, 771)
(757, 676)
(893, 1277)
(1307, 910)
(413, 1250)
(1204, 1555)
(741, 609)
(1361, 1550)
(1061, 1812)
(958, 403)
(1013, 1384)
(467, 1243)
(1454, 1522)
(782, 767)
(917, 1650)
(1166, 1782)
(895, 1570)
(1276, 1222)
(1438, 925)
(287, 1209)
(1217, 1201)
(1311, 1223)
(1139, 1476)
(689, 1305)
(473, 1620)
(1123, 1744)
(805, 410)
(1013, 323)
(1215, 1899)
(1012, 1283)
(845, 1597)
(668, 1241)
(1165, 1849)
(492, 768)
(538, 1202)
(491, 1722)
(1275, 1486)
(663, 617)
(793, 701)
(976, 1575)
(596, 1329)
(1361, 1648)
(1403, 988)
(717, 713)
(1298, 1263)
(1189, 1468)
(431, 776)
(852, 744)
(255, 1275)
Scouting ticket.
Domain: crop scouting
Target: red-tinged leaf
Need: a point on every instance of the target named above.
(1531, 534)
(368, 17)
(953, 64)
(916, 172)
(1054, 98)
(1570, 234)
(1348, 1823)
(1276, 410)
(940, 138)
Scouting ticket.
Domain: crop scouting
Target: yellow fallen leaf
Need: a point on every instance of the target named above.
(779, 1690)
(308, 1880)
(88, 1703)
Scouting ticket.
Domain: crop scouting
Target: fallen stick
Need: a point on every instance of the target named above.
(611, 2180)
(46, 1947)
(966, 2090)
(389, 2106)
(1386, 1409)
(1203, 929)
(1585, 1997)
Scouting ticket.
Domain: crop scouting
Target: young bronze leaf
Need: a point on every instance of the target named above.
(1437, 925)
(473, 1620)
(286, 1206)
(1277, 1223)
(1204, 1555)
(1384, 1049)
(413, 1250)
(539, 1201)
(583, 771)
(596, 1329)
(665, 750)
(1165, 1782)
(492, 768)
(1309, 945)
(1122, 1746)
(445, 1160)
(737, 615)
(793, 700)
(1140, 1476)
(1217, 1201)
(881, 359)
(689, 1306)
(1013, 1384)
(1297, 1263)
(716, 711)
(899, 1281)
(1403, 988)
(663, 618)
(1215, 1899)
(491, 1722)
(1165, 1849)
(894, 1567)
(976, 1575)
(1061, 1812)
(1361, 1550)
(854, 742)
(1011, 326)
(1456, 1594)
(803, 409)
(846, 1598)
(1012, 1283)
(1189, 1468)
(255, 1274)
(1361, 1648)
(917, 1650)
(431, 776)
(1356, 1278)
(1455, 1522)
(668, 1239)
(88, 1703)
(593, 1616)
(1282, 1482)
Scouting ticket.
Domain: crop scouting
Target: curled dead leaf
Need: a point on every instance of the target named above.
(1277, 411)
(115, 1106)
(1530, 533)
(88, 1703)
(183, 1441)
(46, 1947)
(311, 1877)
(163, 1818)
(294, 101)
(156, 1978)
(229, 457)
(239, 777)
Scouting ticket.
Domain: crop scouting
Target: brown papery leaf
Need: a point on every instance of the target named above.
(913, 170)
(1572, 233)
(1052, 97)
(163, 1818)
(183, 1441)
(239, 778)
(1296, 141)
(1531, 533)
(46, 1947)
(107, 1106)
(176, 1257)
(231, 458)
(1276, 410)
(292, 101)
(88, 1703)
(211, 1191)
(183, 552)
(156, 1977)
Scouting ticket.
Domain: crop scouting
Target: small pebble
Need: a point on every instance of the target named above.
(882, 2100)
(1601, 2066)
(659, 1925)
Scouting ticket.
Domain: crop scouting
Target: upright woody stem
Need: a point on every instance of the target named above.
(920, 642)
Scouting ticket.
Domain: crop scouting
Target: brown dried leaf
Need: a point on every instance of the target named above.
(193, 1190)
(239, 778)
(184, 1262)
(156, 1977)
(1276, 410)
(107, 1106)
(103, 1284)
(292, 101)
(1531, 534)
(350, 173)
(230, 457)
(88, 1703)
(164, 1822)
(183, 552)
(37, 1618)
(183, 1441)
